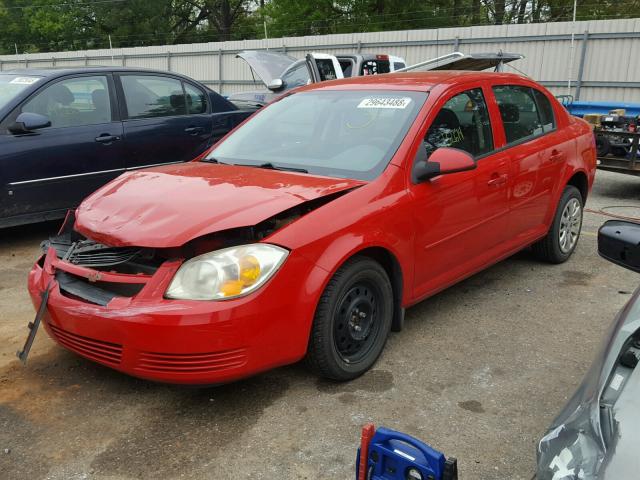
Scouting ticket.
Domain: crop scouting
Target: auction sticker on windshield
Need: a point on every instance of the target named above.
(385, 102)
(24, 80)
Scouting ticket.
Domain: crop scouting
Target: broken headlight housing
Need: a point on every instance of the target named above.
(227, 273)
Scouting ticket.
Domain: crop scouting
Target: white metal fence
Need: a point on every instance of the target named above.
(602, 62)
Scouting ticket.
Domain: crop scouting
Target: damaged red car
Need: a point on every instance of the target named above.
(307, 231)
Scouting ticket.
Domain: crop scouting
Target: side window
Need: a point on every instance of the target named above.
(297, 77)
(150, 96)
(546, 111)
(463, 122)
(519, 112)
(326, 68)
(73, 102)
(196, 99)
(346, 64)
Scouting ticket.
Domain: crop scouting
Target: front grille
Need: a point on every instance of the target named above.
(103, 352)
(87, 253)
(191, 362)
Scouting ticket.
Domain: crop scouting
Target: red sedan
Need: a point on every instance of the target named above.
(307, 231)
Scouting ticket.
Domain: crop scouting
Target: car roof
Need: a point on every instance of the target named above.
(51, 72)
(418, 81)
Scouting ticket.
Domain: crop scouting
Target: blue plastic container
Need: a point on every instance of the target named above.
(398, 456)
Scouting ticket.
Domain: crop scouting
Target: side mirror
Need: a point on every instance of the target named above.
(276, 84)
(442, 161)
(27, 122)
(619, 242)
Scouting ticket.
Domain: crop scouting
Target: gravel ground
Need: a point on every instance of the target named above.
(479, 371)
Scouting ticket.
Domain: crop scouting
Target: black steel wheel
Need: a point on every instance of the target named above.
(352, 321)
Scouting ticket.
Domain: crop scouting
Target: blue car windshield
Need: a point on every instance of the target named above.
(344, 133)
(11, 85)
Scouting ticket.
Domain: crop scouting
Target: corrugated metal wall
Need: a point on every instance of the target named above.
(610, 56)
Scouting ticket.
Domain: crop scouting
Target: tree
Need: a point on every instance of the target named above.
(52, 25)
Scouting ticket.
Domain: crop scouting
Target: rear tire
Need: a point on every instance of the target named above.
(352, 321)
(562, 238)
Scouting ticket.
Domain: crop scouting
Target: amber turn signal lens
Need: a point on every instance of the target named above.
(249, 270)
(231, 288)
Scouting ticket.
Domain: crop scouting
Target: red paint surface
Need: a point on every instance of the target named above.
(438, 232)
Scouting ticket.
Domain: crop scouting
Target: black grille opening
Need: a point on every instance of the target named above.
(99, 293)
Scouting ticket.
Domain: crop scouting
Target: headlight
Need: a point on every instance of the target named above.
(228, 273)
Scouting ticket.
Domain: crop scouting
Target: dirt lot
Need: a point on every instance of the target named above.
(479, 371)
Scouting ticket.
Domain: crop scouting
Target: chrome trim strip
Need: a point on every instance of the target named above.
(152, 165)
(75, 175)
(50, 179)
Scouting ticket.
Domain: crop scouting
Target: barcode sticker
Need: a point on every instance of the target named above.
(385, 102)
(24, 80)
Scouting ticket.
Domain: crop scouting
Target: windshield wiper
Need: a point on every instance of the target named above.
(271, 166)
(213, 160)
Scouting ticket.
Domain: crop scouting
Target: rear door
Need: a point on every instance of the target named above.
(54, 168)
(538, 150)
(166, 119)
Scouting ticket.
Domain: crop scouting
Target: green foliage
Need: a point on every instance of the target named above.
(54, 25)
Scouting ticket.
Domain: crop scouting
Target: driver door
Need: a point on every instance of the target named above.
(460, 219)
(54, 168)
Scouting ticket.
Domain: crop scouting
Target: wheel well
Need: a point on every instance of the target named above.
(391, 265)
(579, 180)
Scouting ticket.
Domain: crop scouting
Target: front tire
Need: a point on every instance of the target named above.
(562, 238)
(352, 321)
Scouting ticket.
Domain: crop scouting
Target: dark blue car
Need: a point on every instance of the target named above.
(66, 132)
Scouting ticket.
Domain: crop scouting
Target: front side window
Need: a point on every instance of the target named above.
(521, 115)
(73, 102)
(463, 122)
(148, 96)
(348, 134)
(296, 77)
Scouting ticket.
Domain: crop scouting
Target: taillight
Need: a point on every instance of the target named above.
(382, 57)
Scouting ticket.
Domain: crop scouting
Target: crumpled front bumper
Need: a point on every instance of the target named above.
(181, 341)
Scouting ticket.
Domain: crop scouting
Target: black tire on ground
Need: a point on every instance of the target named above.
(352, 321)
(549, 249)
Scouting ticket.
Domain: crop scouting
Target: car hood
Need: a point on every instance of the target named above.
(168, 206)
(267, 65)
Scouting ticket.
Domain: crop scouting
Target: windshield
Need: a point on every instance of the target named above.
(12, 85)
(348, 134)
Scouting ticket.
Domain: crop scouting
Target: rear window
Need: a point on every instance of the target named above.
(375, 67)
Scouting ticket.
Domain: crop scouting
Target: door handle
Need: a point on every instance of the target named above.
(193, 130)
(106, 138)
(556, 156)
(497, 180)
